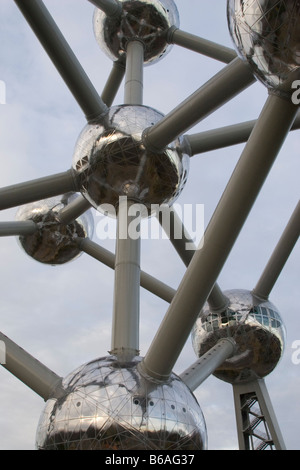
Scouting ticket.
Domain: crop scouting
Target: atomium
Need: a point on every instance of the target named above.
(53, 242)
(257, 329)
(111, 161)
(110, 405)
(267, 35)
(126, 401)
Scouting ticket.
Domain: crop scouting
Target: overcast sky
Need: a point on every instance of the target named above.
(62, 315)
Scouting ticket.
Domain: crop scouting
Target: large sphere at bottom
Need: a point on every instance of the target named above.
(257, 329)
(110, 405)
(266, 34)
(111, 161)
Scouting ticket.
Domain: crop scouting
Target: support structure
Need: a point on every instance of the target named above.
(226, 84)
(17, 228)
(30, 371)
(111, 8)
(257, 424)
(206, 365)
(35, 190)
(63, 58)
(126, 311)
(227, 136)
(248, 177)
(186, 249)
(200, 45)
(162, 290)
(137, 33)
(279, 257)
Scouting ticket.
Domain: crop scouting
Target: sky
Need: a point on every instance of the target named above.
(62, 315)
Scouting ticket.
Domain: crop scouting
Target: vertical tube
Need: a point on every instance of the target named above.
(134, 73)
(125, 329)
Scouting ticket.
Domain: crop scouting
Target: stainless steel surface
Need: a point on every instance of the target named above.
(111, 161)
(109, 405)
(53, 242)
(256, 327)
(267, 35)
(145, 20)
(200, 45)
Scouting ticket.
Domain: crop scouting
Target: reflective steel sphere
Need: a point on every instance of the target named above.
(257, 329)
(109, 405)
(267, 34)
(53, 242)
(145, 20)
(111, 161)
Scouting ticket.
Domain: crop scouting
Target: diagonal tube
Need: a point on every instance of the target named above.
(200, 45)
(223, 229)
(30, 371)
(180, 239)
(223, 137)
(35, 190)
(111, 8)
(206, 365)
(26, 227)
(226, 84)
(73, 210)
(113, 82)
(279, 256)
(63, 58)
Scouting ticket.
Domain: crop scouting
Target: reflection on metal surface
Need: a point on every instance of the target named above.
(112, 161)
(53, 243)
(257, 329)
(267, 34)
(110, 405)
(145, 20)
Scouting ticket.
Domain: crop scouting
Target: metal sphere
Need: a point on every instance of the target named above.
(109, 405)
(145, 20)
(112, 162)
(53, 242)
(257, 329)
(267, 35)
